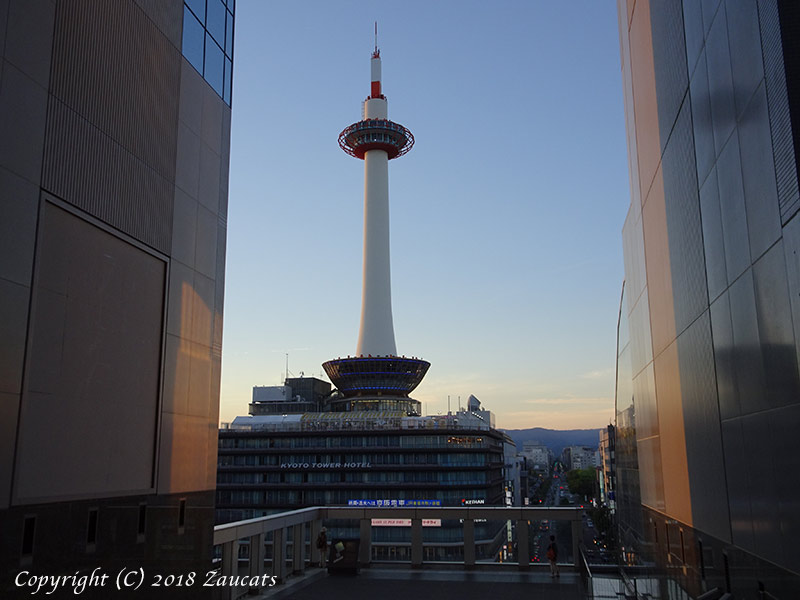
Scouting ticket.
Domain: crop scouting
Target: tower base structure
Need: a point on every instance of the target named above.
(376, 383)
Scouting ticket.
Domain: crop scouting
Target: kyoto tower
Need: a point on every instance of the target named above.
(376, 378)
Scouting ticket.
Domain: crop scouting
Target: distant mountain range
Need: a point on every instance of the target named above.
(555, 439)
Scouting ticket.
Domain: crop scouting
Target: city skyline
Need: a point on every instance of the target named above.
(506, 219)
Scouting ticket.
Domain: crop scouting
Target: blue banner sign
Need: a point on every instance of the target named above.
(395, 503)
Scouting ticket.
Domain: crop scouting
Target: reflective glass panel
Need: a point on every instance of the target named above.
(193, 35)
(215, 22)
(229, 35)
(214, 65)
(198, 8)
(227, 89)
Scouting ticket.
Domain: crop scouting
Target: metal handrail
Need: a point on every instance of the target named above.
(254, 531)
(585, 573)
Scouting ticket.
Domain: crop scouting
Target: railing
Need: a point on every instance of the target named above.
(254, 533)
(586, 574)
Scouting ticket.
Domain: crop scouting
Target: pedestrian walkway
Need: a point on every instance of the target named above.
(393, 584)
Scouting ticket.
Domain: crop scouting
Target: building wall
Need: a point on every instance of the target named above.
(712, 276)
(113, 204)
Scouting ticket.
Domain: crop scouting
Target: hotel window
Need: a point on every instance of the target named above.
(208, 29)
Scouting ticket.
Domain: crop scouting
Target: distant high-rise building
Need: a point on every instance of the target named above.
(708, 395)
(539, 456)
(579, 457)
(114, 151)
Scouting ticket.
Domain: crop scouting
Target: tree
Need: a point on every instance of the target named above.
(581, 482)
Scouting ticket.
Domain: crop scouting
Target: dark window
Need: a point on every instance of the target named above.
(727, 569)
(142, 520)
(28, 528)
(181, 515)
(193, 35)
(91, 528)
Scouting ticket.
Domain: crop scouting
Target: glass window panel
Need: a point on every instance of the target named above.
(214, 65)
(198, 8)
(229, 35)
(215, 21)
(193, 35)
(226, 92)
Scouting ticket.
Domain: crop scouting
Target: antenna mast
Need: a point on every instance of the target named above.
(377, 52)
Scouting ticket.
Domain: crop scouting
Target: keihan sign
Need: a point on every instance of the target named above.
(327, 465)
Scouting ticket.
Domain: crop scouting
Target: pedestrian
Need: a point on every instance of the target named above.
(552, 557)
(322, 546)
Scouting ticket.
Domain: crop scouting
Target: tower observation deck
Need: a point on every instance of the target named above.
(376, 378)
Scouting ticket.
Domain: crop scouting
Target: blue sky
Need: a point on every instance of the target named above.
(505, 216)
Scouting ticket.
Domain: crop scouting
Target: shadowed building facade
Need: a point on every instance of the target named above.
(114, 151)
(708, 399)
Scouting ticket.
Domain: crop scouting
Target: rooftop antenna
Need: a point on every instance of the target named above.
(377, 52)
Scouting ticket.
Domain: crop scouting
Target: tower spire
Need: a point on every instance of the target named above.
(377, 377)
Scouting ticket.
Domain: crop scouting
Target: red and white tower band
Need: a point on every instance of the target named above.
(376, 371)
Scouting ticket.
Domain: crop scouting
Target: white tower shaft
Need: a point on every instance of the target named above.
(376, 333)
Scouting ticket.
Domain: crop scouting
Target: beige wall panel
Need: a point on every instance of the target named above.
(659, 273)
(630, 124)
(192, 86)
(216, 375)
(185, 459)
(184, 228)
(677, 497)
(644, 393)
(181, 300)
(650, 476)
(177, 371)
(200, 374)
(633, 253)
(641, 343)
(202, 294)
(644, 97)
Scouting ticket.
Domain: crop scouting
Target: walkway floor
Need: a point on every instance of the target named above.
(392, 584)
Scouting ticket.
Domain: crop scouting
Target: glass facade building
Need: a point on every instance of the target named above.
(708, 397)
(114, 156)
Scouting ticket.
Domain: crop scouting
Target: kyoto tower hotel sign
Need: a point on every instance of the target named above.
(376, 378)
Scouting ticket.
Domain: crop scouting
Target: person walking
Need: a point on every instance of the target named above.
(322, 546)
(552, 557)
